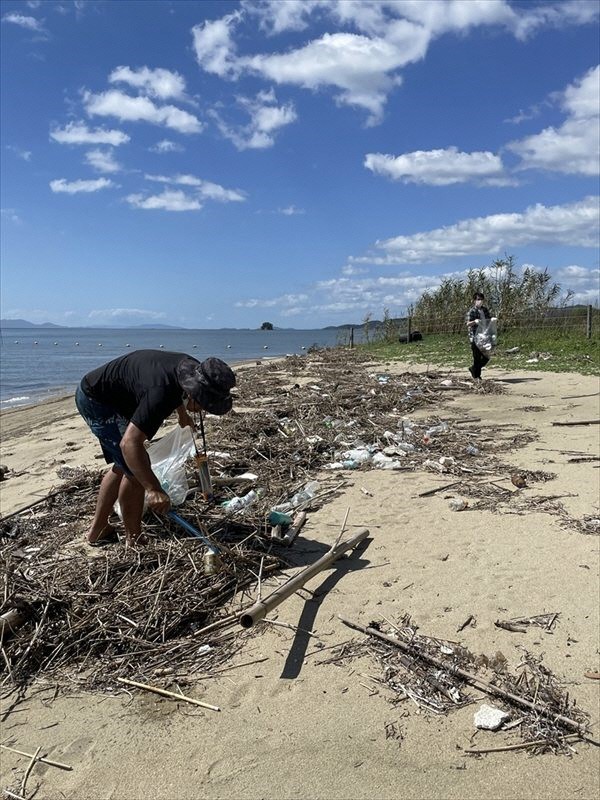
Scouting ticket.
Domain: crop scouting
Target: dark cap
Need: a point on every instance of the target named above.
(208, 383)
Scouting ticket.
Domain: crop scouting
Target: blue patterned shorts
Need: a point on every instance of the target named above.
(106, 425)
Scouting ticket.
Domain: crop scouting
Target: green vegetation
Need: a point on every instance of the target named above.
(569, 352)
(532, 316)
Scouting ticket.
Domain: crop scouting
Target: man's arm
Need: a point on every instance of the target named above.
(184, 418)
(138, 461)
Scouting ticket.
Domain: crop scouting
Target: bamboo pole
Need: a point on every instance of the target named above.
(478, 683)
(166, 693)
(260, 609)
(42, 759)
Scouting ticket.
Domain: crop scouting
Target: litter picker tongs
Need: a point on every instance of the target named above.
(201, 460)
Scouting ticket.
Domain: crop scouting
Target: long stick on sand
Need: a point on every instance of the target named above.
(166, 693)
(260, 609)
(484, 686)
(42, 758)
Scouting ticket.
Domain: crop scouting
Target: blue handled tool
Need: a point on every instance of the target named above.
(194, 531)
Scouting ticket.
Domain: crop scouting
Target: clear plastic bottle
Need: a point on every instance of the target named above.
(458, 504)
(305, 494)
(237, 503)
(436, 430)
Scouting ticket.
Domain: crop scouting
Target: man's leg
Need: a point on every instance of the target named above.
(131, 500)
(475, 369)
(107, 496)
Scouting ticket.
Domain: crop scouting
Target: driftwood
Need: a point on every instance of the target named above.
(579, 422)
(260, 609)
(166, 693)
(476, 682)
(294, 528)
(572, 737)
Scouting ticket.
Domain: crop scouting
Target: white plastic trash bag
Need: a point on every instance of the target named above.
(168, 457)
(486, 336)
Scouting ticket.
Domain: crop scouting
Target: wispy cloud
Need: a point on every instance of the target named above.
(440, 167)
(266, 119)
(123, 315)
(79, 133)
(114, 103)
(574, 224)
(169, 200)
(166, 146)
(19, 152)
(205, 189)
(11, 215)
(29, 23)
(103, 161)
(61, 185)
(291, 211)
(159, 83)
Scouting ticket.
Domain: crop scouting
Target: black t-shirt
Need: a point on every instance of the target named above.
(141, 386)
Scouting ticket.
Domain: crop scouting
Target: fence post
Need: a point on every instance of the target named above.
(409, 330)
(588, 323)
(351, 338)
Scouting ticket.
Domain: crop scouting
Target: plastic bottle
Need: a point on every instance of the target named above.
(237, 503)
(436, 430)
(458, 504)
(305, 494)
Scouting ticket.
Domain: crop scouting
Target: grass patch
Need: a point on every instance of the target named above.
(567, 352)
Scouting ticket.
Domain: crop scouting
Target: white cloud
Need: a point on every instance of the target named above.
(29, 23)
(574, 224)
(103, 161)
(290, 211)
(159, 83)
(439, 167)
(79, 133)
(283, 301)
(204, 189)
(114, 103)
(169, 200)
(11, 215)
(582, 281)
(166, 146)
(19, 152)
(266, 118)
(76, 187)
(571, 148)
(367, 44)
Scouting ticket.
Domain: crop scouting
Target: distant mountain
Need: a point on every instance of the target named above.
(23, 323)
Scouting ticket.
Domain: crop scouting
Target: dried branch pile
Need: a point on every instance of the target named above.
(434, 673)
(134, 614)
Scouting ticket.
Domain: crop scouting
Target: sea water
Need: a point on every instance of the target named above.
(40, 363)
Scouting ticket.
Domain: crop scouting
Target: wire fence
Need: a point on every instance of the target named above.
(579, 321)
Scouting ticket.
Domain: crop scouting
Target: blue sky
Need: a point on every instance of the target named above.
(304, 162)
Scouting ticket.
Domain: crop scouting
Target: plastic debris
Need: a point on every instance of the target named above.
(458, 504)
(489, 718)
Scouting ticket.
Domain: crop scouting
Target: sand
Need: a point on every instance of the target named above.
(293, 728)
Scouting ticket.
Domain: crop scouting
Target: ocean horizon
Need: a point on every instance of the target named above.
(41, 363)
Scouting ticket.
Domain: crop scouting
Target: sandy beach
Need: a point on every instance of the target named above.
(291, 727)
